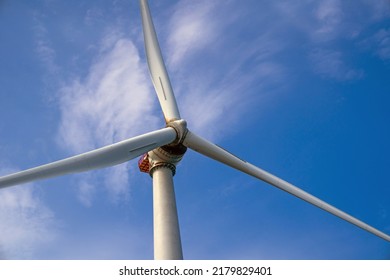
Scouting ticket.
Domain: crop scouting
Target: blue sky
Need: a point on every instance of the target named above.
(298, 88)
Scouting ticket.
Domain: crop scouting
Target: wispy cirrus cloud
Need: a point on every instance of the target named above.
(27, 223)
(112, 103)
(329, 17)
(210, 83)
(44, 48)
(378, 9)
(331, 64)
(320, 21)
(330, 25)
(381, 40)
(377, 43)
(191, 28)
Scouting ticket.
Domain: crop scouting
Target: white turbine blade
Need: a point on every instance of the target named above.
(157, 68)
(103, 157)
(211, 150)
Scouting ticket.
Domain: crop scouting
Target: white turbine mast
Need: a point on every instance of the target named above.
(161, 151)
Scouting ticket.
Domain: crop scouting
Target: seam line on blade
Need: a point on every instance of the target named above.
(143, 147)
(162, 87)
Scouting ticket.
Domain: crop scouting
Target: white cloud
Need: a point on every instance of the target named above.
(321, 21)
(191, 28)
(86, 191)
(112, 103)
(43, 47)
(26, 222)
(382, 42)
(378, 9)
(93, 15)
(330, 64)
(116, 182)
(378, 43)
(330, 26)
(213, 68)
(329, 16)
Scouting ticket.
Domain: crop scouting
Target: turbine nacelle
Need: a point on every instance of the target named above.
(168, 155)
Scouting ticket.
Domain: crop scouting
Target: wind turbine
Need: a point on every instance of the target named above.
(161, 150)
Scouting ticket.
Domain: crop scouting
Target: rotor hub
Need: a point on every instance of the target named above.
(180, 126)
(167, 156)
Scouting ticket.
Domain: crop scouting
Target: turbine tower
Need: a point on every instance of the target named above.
(160, 151)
